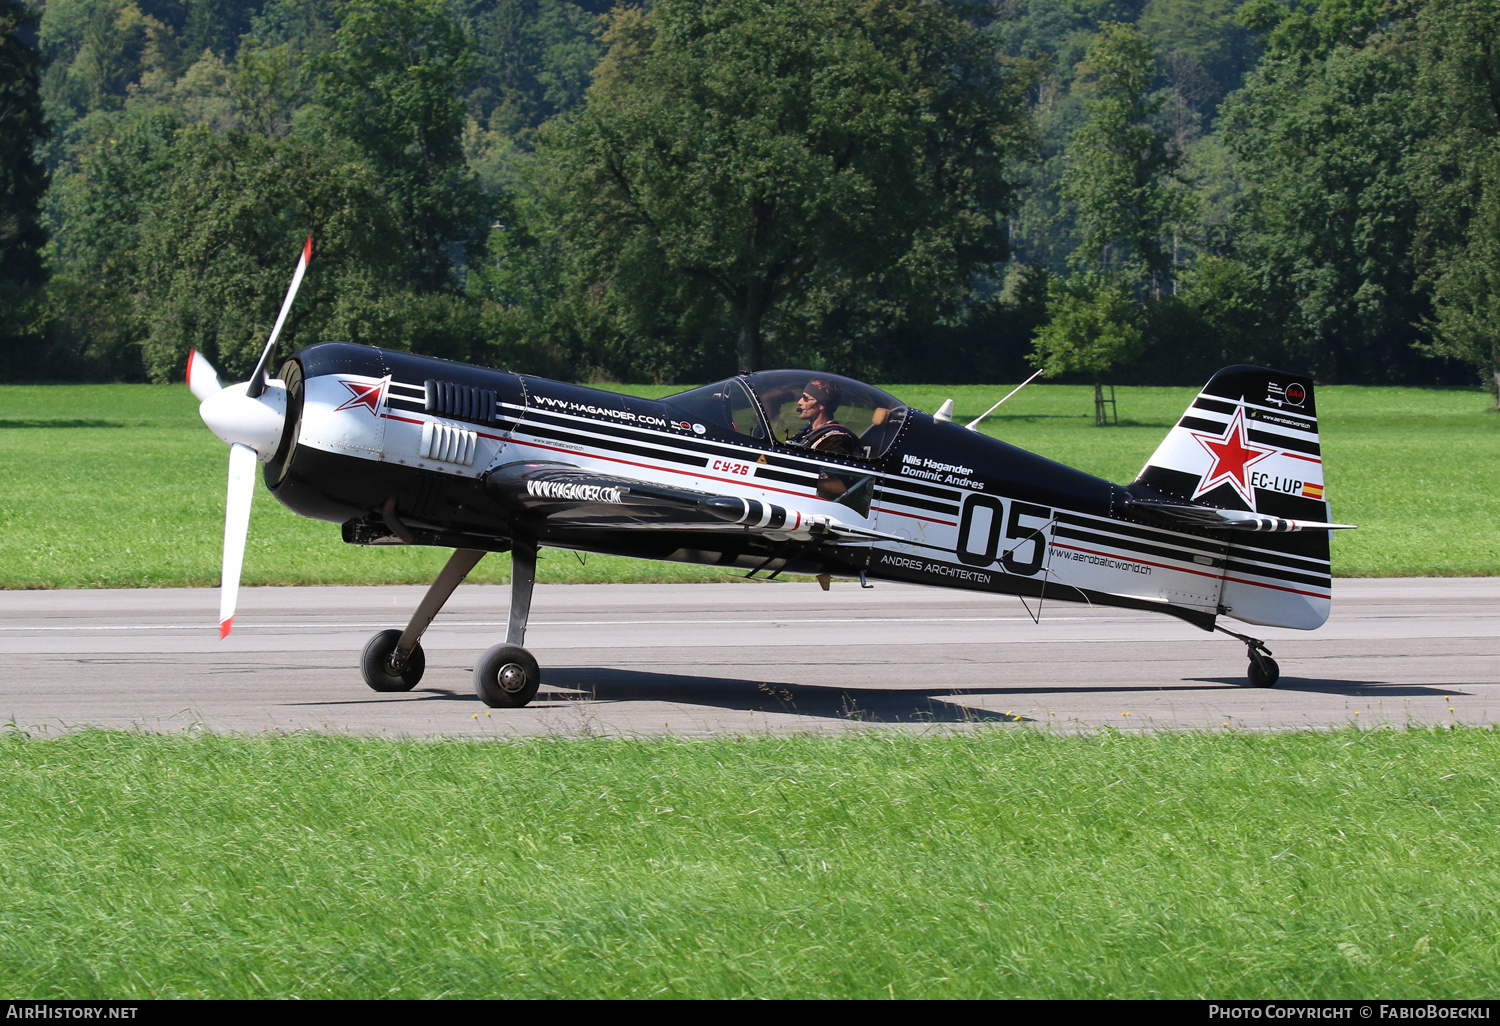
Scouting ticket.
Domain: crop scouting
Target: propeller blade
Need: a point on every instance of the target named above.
(261, 374)
(202, 379)
(242, 466)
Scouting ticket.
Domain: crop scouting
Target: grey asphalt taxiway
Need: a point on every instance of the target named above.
(734, 658)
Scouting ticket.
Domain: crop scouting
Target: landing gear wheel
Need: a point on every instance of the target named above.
(506, 677)
(375, 664)
(1264, 673)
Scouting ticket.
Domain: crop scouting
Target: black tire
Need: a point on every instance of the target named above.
(506, 677)
(1264, 673)
(375, 664)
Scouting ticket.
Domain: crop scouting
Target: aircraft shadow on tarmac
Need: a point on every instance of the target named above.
(1354, 688)
(874, 705)
(565, 685)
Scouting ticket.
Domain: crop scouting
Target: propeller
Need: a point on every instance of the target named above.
(202, 379)
(262, 373)
(251, 417)
(242, 463)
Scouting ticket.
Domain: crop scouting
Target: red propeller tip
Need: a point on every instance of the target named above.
(225, 627)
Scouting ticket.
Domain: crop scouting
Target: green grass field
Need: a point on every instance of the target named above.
(123, 486)
(997, 863)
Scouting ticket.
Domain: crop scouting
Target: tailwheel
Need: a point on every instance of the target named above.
(506, 677)
(1264, 673)
(380, 669)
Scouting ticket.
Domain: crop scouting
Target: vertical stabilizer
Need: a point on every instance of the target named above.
(1249, 442)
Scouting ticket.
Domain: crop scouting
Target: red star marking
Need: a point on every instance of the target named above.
(367, 395)
(1232, 454)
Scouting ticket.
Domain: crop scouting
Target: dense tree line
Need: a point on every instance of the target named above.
(1122, 190)
(23, 183)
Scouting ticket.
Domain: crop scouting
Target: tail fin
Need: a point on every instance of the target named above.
(1249, 442)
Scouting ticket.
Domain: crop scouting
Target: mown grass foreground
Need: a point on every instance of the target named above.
(880, 864)
(123, 486)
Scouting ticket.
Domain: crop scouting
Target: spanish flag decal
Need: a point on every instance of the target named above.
(1312, 491)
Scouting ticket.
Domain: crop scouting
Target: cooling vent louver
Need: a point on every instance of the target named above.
(461, 402)
(448, 443)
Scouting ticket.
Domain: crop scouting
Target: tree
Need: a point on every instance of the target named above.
(837, 154)
(101, 205)
(214, 248)
(1120, 167)
(535, 58)
(1202, 50)
(181, 238)
(1234, 322)
(1467, 293)
(1324, 134)
(1093, 326)
(392, 86)
(22, 183)
(1458, 174)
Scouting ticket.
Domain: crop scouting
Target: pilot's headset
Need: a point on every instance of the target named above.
(826, 393)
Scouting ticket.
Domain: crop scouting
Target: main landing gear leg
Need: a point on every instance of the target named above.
(507, 676)
(393, 660)
(1263, 672)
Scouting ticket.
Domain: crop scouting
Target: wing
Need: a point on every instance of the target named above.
(563, 496)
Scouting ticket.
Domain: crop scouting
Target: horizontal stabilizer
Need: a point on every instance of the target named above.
(1232, 519)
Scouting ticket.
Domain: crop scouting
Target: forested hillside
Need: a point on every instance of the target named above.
(1122, 190)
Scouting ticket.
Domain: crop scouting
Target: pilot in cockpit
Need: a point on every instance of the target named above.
(817, 405)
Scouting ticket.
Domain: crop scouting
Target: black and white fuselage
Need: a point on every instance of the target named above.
(402, 449)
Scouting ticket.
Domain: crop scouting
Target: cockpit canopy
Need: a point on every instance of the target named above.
(763, 406)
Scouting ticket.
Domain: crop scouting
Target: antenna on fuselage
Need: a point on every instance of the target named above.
(973, 425)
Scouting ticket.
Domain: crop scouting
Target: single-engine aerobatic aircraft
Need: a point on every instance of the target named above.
(777, 471)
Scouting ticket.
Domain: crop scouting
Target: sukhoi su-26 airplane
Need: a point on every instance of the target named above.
(774, 472)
